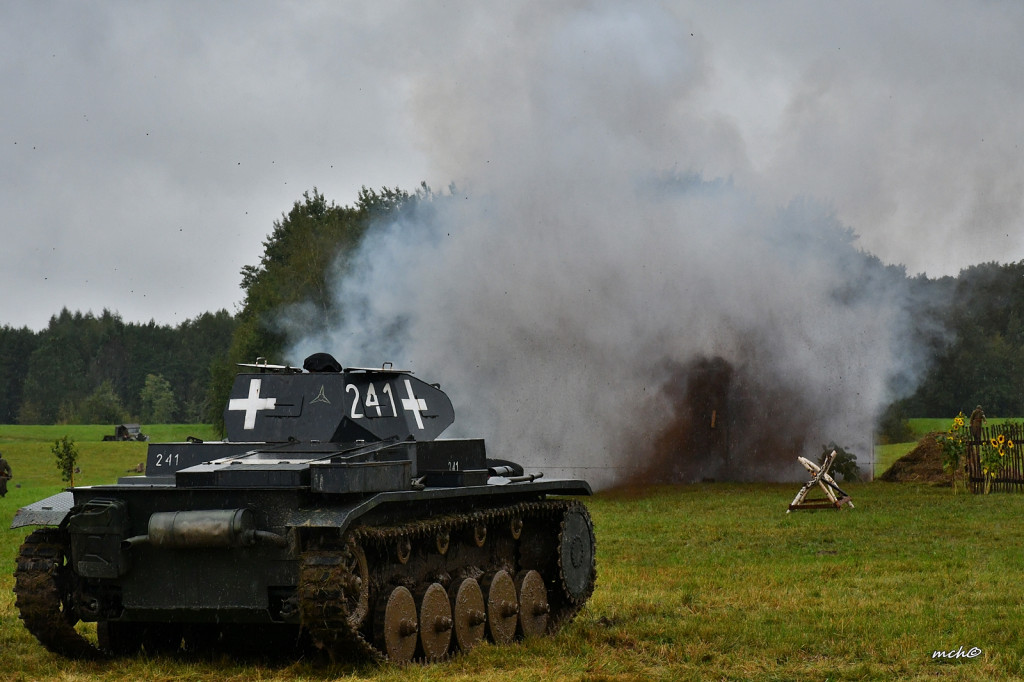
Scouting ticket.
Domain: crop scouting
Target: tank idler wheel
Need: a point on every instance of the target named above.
(515, 527)
(395, 625)
(533, 604)
(468, 614)
(480, 534)
(403, 550)
(502, 607)
(443, 540)
(435, 622)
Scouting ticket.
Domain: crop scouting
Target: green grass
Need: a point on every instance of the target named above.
(710, 581)
(923, 426)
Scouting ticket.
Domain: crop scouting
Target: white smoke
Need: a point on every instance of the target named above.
(595, 244)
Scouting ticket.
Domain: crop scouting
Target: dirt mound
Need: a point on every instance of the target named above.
(923, 464)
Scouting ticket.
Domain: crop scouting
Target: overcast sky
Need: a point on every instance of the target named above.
(147, 148)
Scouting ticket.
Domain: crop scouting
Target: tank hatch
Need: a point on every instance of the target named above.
(341, 407)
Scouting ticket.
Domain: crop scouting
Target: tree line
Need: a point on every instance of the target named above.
(980, 358)
(85, 368)
(95, 369)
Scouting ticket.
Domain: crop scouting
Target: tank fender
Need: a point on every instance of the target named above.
(47, 512)
(510, 490)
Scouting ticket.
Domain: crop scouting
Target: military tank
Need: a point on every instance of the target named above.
(330, 518)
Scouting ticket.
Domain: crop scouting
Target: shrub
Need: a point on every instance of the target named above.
(845, 463)
(66, 454)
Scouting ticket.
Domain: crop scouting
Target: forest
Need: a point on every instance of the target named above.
(86, 368)
(96, 369)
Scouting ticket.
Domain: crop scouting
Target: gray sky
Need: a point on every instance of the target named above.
(147, 148)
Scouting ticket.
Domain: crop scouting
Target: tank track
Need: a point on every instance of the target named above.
(43, 586)
(325, 590)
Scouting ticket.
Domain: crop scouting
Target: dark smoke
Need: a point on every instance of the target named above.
(725, 427)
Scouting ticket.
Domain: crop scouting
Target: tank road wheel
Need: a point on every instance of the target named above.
(468, 614)
(576, 560)
(44, 584)
(435, 622)
(533, 604)
(502, 607)
(395, 625)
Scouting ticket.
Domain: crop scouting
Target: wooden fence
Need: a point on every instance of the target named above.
(1010, 476)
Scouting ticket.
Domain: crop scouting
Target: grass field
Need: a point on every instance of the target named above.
(711, 581)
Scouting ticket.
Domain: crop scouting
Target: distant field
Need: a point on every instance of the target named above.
(710, 581)
(11, 433)
(925, 426)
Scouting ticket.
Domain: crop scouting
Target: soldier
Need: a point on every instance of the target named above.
(977, 417)
(5, 475)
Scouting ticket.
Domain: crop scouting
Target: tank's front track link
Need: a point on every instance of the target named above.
(43, 595)
(324, 609)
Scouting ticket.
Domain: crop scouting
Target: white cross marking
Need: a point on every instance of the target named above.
(414, 404)
(252, 404)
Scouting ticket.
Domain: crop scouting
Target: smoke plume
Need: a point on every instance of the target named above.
(595, 294)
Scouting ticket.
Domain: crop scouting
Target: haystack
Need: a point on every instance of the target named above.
(923, 464)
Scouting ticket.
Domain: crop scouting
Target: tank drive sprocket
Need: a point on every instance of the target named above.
(577, 562)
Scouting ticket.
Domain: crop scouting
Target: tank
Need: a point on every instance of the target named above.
(332, 517)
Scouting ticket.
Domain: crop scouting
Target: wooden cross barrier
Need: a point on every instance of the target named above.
(836, 498)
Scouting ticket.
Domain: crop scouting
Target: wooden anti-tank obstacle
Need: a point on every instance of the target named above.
(836, 498)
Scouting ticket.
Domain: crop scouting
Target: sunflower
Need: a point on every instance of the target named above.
(958, 422)
(993, 443)
(1001, 438)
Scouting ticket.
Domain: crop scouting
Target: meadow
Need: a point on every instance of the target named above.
(709, 581)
